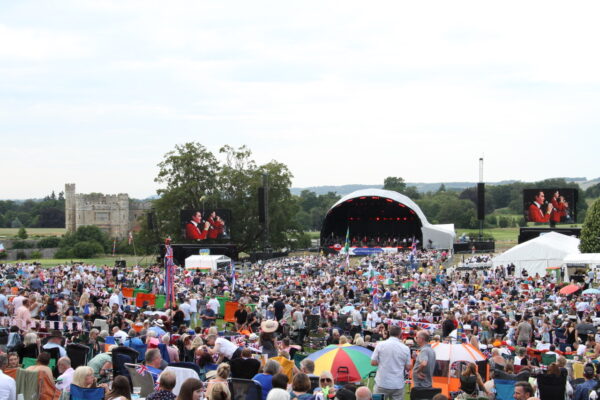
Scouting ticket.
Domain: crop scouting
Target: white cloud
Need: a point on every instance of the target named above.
(340, 91)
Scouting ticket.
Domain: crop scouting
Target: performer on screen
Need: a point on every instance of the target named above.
(217, 226)
(196, 229)
(536, 212)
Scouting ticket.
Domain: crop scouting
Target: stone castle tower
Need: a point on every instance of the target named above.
(116, 215)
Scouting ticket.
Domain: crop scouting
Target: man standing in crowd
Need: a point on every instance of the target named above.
(425, 362)
(8, 386)
(392, 358)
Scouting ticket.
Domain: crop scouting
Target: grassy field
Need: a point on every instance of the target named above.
(107, 260)
(33, 232)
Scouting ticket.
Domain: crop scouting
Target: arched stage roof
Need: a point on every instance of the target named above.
(374, 208)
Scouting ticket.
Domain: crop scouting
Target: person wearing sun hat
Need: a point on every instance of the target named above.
(267, 341)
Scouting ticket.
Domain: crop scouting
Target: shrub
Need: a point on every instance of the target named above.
(64, 252)
(21, 255)
(87, 249)
(22, 233)
(21, 244)
(36, 254)
(49, 242)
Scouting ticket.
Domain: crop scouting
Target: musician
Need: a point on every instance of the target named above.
(537, 211)
(217, 226)
(197, 229)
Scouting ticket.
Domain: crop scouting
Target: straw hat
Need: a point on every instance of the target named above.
(269, 326)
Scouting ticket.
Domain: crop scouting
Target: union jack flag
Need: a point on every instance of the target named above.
(142, 369)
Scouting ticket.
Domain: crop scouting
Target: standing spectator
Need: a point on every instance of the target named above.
(425, 362)
(3, 302)
(392, 358)
(8, 386)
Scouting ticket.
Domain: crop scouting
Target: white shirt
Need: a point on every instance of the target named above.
(226, 348)
(114, 299)
(185, 307)
(64, 381)
(214, 305)
(393, 357)
(8, 387)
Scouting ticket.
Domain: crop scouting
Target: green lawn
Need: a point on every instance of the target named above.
(33, 232)
(499, 234)
(107, 260)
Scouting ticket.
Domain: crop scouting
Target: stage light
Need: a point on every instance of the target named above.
(375, 198)
(362, 198)
(389, 200)
(401, 205)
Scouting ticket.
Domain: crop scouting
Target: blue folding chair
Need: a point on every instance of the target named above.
(505, 389)
(79, 393)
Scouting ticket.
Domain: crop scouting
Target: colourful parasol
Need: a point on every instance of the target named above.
(457, 352)
(569, 289)
(407, 284)
(356, 358)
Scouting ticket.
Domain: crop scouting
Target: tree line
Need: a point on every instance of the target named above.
(48, 212)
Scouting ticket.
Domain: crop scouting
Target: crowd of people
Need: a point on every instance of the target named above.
(388, 304)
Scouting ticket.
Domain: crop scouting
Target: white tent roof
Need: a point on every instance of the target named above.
(582, 258)
(537, 254)
(205, 261)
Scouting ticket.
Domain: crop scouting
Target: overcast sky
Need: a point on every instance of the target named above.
(96, 92)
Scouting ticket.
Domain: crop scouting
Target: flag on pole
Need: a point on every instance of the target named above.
(114, 246)
(130, 239)
(1, 248)
(232, 276)
(347, 247)
(169, 275)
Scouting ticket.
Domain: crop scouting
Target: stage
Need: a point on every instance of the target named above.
(184, 250)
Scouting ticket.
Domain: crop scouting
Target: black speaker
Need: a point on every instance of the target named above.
(121, 263)
(480, 201)
(150, 217)
(262, 211)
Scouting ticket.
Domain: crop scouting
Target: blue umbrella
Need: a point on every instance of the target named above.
(591, 291)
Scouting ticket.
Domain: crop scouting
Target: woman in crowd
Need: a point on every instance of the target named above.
(221, 376)
(471, 382)
(300, 387)
(219, 391)
(84, 377)
(191, 389)
(120, 389)
(30, 347)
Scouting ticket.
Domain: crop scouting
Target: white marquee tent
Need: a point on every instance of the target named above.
(206, 262)
(537, 254)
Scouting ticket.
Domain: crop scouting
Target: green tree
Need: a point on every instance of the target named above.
(193, 178)
(590, 233)
(22, 233)
(394, 183)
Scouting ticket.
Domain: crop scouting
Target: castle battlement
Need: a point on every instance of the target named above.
(116, 214)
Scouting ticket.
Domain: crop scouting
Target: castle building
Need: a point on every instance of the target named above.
(116, 215)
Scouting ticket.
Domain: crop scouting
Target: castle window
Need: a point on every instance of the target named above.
(102, 216)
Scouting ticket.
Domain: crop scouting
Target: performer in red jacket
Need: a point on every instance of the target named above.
(195, 229)
(536, 214)
(217, 226)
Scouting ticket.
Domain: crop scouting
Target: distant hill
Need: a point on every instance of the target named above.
(423, 187)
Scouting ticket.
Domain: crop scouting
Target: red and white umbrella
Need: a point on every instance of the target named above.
(455, 352)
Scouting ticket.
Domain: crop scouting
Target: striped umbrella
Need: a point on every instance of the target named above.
(454, 352)
(356, 358)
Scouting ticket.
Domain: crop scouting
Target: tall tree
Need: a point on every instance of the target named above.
(590, 233)
(394, 183)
